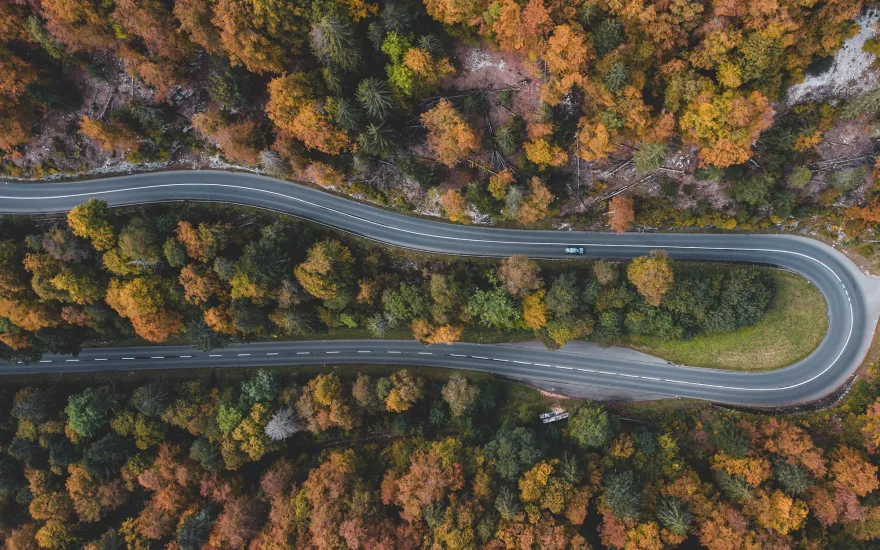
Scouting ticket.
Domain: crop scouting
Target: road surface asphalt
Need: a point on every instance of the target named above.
(851, 296)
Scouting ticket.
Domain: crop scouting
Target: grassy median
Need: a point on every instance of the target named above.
(792, 328)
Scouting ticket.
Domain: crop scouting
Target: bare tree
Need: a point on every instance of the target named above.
(460, 394)
(273, 164)
(378, 325)
(283, 424)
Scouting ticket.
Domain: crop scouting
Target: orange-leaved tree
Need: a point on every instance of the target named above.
(620, 208)
(263, 35)
(109, 136)
(536, 205)
(424, 331)
(452, 12)
(17, 75)
(145, 302)
(405, 390)
(203, 242)
(324, 404)
(450, 137)
(153, 23)
(455, 205)
(523, 29)
(294, 109)
(432, 474)
(80, 25)
(595, 139)
(520, 275)
(237, 140)
(199, 284)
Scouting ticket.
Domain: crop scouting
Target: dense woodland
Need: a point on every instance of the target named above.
(395, 460)
(377, 100)
(208, 274)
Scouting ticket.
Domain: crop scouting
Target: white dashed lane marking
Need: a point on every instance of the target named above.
(591, 371)
(360, 219)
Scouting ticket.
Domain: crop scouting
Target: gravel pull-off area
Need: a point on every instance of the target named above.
(851, 74)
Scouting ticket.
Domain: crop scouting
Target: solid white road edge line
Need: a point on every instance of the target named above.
(341, 213)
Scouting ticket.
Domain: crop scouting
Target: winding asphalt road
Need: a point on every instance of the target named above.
(852, 298)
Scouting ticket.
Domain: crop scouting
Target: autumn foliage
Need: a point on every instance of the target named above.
(455, 206)
(536, 205)
(620, 210)
(143, 301)
(237, 140)
(403, 477)
(652, 276)
(450, 137)
(726, 126)
(294, 109)
(110, 136)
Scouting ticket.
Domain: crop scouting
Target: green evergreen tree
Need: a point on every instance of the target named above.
(674, 516)
(793, 479)
(616, 77)
(203, 338)
(623, 494)
(649, 157)
(374, 97)
(591, 427)
(333, 42)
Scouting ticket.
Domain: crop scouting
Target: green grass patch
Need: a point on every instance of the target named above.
(792, 328)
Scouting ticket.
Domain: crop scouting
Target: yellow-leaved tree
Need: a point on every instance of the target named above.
(726, 125)
(652, 276)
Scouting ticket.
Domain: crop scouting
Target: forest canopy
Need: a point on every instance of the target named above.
(396, 459)
(426, 105)
(211, 274)
(643, 70)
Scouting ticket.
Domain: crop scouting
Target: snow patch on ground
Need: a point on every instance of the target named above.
(479, 58)
(850, 75)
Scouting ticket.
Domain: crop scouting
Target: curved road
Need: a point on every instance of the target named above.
(850, 295)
